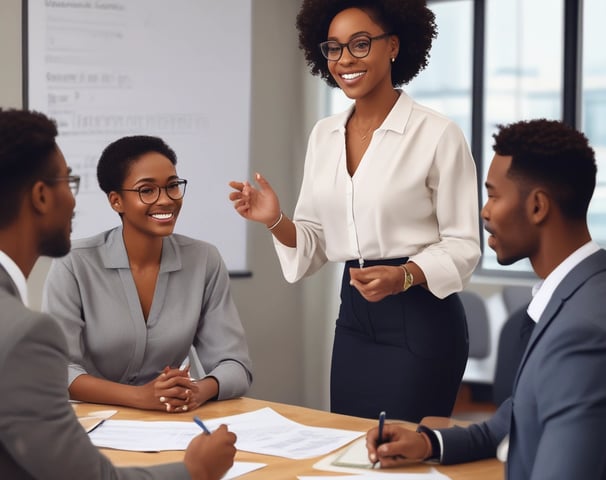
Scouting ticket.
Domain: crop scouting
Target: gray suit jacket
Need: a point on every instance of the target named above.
(40, 437)
(556, 417)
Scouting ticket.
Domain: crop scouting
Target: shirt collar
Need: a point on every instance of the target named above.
(542, 291)
(396, 119)
(16, 275)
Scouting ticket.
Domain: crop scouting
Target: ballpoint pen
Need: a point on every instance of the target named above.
(381, 423)
(380, 436)
(201, 425)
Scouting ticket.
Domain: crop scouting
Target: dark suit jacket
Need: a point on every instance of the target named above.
(556, 417)
(40, 437)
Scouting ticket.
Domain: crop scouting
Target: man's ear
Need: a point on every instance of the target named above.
(539, 205)
(40, 197)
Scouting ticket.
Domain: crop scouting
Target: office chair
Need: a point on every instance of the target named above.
(513, 339)
(478, 324)
(516, 296)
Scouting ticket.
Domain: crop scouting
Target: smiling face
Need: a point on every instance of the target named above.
(507, 215)
(159, 218)
(360, 77)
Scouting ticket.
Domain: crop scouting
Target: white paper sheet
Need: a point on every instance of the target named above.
(262, 431)
(240, 468)
(432, 475)
(354, 459)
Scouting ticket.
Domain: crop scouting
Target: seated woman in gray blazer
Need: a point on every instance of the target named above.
(134, 299)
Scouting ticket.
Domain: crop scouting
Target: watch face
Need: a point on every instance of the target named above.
(408, 278)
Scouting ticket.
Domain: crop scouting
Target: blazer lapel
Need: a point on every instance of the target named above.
(576, 277)
(7, 284)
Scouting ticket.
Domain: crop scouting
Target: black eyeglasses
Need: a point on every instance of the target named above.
(150, 192)
(73, 182)
(359, 47)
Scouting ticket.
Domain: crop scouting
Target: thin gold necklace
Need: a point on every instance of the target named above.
(363, 134)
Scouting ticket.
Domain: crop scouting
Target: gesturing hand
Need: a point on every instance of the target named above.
(257, 204)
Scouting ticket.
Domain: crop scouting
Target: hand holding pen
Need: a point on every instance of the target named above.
(210, 455)
(394, 445)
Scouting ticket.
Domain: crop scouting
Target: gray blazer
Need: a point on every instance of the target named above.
(556, 417)
(40, 437)
(92, 294)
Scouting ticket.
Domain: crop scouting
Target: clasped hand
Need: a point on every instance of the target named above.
(173, 391)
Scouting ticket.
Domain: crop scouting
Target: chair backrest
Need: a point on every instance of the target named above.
(516, 296)
(513, 339)
(478, 324)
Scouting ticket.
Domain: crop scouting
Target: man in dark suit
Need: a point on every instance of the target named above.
(40, 437)
(539, 186)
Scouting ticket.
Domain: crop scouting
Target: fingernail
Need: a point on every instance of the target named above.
(185, 408)
(373, 458)
(167, 407)
(257, 176)
(162, 399)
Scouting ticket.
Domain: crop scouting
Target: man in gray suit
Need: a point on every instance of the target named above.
(539, 186)
(40, 437)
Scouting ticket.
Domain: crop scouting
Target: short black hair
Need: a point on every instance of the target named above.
(553, 154)
(118, 156)
(27, 142)
(410, 20)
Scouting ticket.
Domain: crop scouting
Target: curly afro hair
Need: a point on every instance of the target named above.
(410, 20)
(553, 154)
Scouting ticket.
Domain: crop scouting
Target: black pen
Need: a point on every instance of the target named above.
(380, 437)
(381, 423)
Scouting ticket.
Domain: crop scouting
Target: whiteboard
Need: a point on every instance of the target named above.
(177, 69)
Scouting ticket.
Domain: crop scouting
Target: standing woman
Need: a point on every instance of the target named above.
(389, 187)
(133, 300)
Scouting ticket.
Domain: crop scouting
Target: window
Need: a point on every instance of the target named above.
(500, 61)
(522, 78)
(593, 119)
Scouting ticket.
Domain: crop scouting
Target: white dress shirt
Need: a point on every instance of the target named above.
(414, 194)
(542, 291)
(16, 275)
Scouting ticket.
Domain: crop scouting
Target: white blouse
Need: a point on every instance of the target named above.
(414, 194)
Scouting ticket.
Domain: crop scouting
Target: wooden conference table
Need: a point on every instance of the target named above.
(277, 467)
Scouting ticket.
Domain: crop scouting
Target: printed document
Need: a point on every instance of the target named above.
(262, 431)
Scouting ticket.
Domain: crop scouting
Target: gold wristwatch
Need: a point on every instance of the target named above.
(408, 278)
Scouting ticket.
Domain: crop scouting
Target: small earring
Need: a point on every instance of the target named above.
(393, 59)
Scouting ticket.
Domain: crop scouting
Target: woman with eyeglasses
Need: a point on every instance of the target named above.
(389, 188)
(133, 300)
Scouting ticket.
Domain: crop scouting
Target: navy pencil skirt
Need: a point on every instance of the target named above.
(405, 354)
